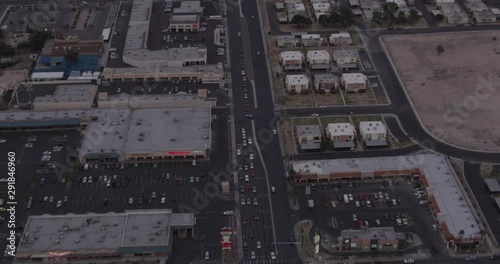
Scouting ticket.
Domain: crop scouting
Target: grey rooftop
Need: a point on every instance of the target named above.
(70, 93)
(95, 232)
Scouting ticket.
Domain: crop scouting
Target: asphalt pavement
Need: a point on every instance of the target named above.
(260, 129)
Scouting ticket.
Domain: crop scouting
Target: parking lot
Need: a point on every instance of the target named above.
(181, 186)
(371, 204)
(159, 38)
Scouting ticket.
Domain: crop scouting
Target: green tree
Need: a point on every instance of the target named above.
(301, 21)
(335, 18)
(71, 56)
(324, 20)
(346, 16)
(401, 18)
(378, 17)
(412, 17)
(440, 49)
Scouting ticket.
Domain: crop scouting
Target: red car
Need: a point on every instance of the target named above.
(248, 186)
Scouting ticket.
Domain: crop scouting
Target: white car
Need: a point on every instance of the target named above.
(350, 197)
(252, 255)
(274, 133)
(422, 202)
(251, 156)
(255, 202)
(250, 141)
(191, 179)
(435, 227)
(259, 246)
(3, 140)
(59, 203)
(315, 115)
(163, 200)
(273, 256)
(354, 217)
(247, 179)
(84, 180)
(228, 213)
(409, 260)
(238, 152)
(273, 189)
(358, 204)
(399, 222)
(242, 201)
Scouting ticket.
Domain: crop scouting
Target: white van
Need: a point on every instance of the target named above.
(86, 167)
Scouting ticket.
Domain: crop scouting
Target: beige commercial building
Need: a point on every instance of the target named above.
(184, 23)
(67, 97)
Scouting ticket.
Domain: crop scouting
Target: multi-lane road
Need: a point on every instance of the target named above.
(261, 106)
(274, 228)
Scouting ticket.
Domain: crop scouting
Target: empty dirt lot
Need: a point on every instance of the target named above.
(456, 92)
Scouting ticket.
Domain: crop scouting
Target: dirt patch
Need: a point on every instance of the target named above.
(365, 98)
(300, 100)
(305, 121)
(287, 133)
(329, 99)
(303, 231)
(456, 92)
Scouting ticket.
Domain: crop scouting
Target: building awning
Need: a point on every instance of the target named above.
(493, 185)
(292, 67)
(345, 144)
(320, 66)
(376, 143)
(348, 66)
(310, 146)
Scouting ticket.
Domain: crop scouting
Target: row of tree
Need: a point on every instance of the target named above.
(391, 14)
(342, 17)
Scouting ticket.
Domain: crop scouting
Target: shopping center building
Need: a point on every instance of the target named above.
(141, 236)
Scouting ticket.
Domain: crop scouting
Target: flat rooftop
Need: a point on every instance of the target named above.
(194, 68)
(438, 173)
(70, 93)
(168, 129)
(171, 54)
(312, 130)
(190, 4)
(378, 233)
(95, 232)
(141, 11)
(184, 19)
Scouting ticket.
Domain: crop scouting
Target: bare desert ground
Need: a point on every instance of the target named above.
(457, 92)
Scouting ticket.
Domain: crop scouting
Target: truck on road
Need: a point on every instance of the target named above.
(310, 202)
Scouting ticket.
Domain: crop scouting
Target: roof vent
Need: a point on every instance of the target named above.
(77, 241)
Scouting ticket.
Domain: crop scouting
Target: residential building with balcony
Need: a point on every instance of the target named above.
(354, 82)
(292, 60)
(346, 59)
(297, 83)
(342, 38)
(373, 133)
(309, 137)
(342, 135)
(326, 82)
(318, 59)
(311, 40)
